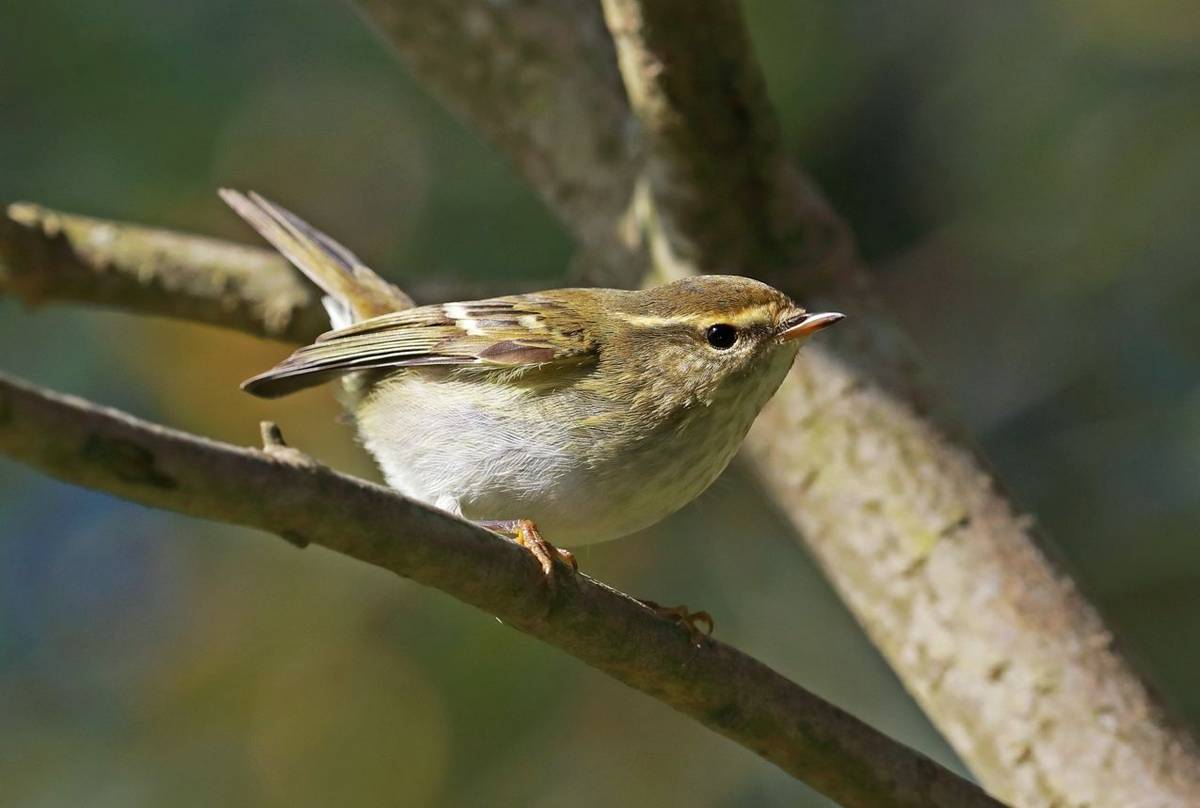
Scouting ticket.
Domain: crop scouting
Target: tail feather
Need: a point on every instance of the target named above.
(353, 291)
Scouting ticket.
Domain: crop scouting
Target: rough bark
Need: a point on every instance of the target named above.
(47, 256)
(1014, 666)
(279, 490)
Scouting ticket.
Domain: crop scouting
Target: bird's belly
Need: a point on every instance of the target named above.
(596, 499)
(651, 482)
(439, 441)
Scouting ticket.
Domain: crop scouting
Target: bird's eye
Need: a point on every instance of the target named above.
(721, 336)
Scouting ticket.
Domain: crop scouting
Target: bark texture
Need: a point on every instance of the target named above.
(47, 256)
(1014, 666)
(279, 490)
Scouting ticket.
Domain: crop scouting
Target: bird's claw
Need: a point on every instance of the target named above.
(525, 533)
(690, 621)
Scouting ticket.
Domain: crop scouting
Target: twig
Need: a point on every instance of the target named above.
(304, 502)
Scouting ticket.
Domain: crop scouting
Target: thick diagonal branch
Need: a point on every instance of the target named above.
(1015, 667)
(306, 503)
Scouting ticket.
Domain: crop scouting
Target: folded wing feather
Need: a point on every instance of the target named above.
(499, 334)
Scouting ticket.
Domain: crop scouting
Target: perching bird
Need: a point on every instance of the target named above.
(588, 413)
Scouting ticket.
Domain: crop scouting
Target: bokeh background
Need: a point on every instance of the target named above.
(1024, 177)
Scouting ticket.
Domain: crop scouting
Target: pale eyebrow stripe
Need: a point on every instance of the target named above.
(742, 317)
(651, 320)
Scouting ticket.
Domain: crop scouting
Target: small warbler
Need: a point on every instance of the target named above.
(584, 413)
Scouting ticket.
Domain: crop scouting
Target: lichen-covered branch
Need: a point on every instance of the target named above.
(1009, 660)
(950, 580)
(46, 256)
(279, 490)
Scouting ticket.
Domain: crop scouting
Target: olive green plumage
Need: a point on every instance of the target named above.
(594, 412)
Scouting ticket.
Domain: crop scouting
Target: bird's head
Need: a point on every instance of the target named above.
(699, 339)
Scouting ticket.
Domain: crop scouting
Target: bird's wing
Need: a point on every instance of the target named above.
(515, 333)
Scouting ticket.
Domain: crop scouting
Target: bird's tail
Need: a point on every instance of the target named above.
(353, 292)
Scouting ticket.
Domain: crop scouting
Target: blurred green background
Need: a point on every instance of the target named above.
(1024, 176)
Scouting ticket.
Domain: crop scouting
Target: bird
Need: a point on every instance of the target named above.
(570, 416)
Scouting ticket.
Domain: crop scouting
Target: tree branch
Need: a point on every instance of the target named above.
(1014, 666)
(724, 196)
(539, 80)
(281, 491)
(47, 256)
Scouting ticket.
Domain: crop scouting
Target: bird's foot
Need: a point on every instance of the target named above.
(525, 533)
(275, 447)
(690, 621)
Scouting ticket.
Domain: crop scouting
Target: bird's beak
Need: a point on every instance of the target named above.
(803, 325)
